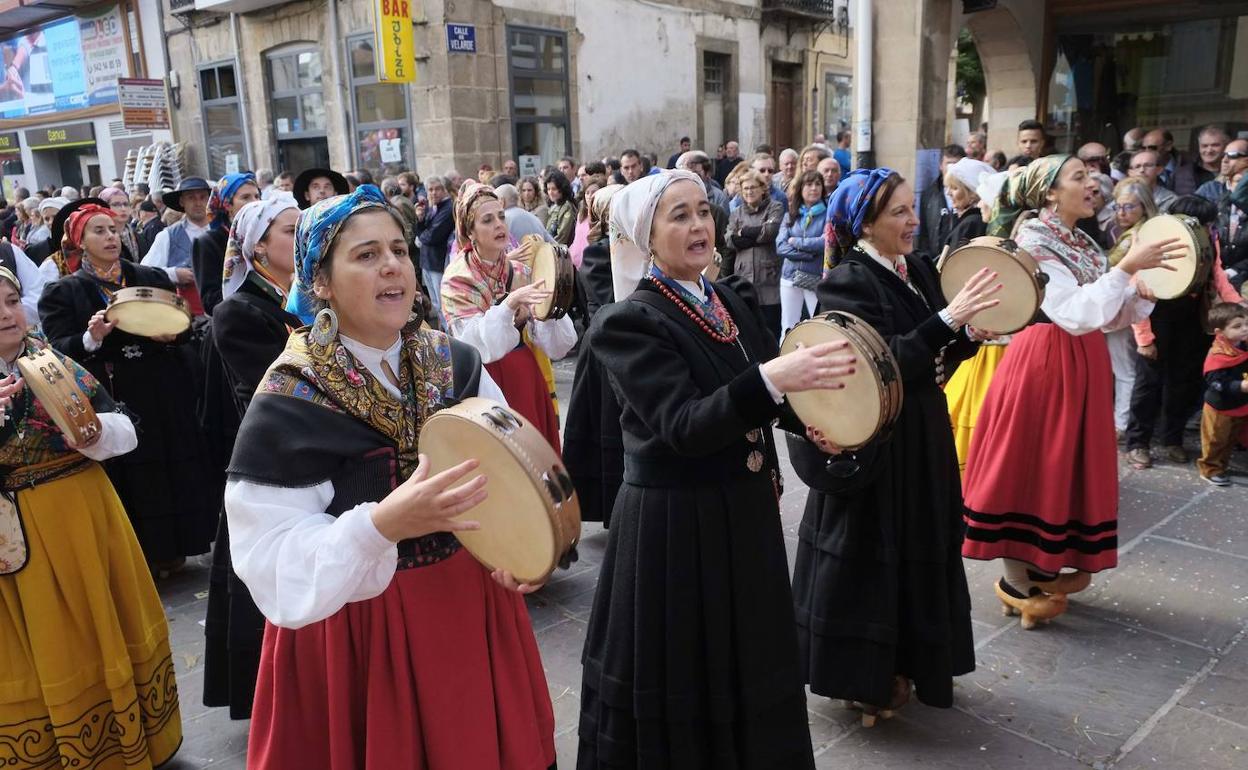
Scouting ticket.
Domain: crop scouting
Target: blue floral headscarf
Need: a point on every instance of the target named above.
(318, 227)
(223, 193)
(847, 208)
(853, 196)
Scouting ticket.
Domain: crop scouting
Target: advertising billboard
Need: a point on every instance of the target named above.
(64, 64)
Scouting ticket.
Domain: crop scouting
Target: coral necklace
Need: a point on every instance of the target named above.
(694, 315)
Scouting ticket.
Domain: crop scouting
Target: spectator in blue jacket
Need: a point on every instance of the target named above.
(434, 231)
(800, 243)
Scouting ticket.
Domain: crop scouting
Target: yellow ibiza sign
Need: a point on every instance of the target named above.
(396, 50)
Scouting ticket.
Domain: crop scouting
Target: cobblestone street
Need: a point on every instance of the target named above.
(1148, 669)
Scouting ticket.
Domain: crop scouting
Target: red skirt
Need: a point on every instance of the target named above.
(439, 672)
(522, 382)
(1041, 480)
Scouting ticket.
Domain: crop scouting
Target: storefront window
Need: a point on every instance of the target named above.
(222, 119)
(1111, 75)
(382, 130)
(538, 63)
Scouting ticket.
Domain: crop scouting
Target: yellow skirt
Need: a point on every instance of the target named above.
(86, 676)
(965, 393)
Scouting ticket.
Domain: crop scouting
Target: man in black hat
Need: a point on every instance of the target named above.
(317, 184)
(171, 249)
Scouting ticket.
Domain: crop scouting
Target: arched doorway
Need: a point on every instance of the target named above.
(1009, 75)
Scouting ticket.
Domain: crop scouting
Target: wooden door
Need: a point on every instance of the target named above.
(782, 99)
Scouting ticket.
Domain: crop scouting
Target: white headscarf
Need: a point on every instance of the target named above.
(989, 187)
(632, 217)
(248, 226)
(56, 204)
(42, 232)
(970, 172)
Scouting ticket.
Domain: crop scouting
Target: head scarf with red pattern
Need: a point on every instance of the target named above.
(76, 225)
(471, 285)
(75, 229)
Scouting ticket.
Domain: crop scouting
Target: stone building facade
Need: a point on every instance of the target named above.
(279, 85)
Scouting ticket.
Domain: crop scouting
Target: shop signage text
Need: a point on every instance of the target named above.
(461, 38)
(143, 103)
(64, 64)
(9, 143)
(396, 49)
(56, 137)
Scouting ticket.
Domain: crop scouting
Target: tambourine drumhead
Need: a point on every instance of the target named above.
(852, 416)
(149, 312)
(553, 264)
(1020, 294)
(54, 386)
(532, 516)
(545, 268)
(1169, 284)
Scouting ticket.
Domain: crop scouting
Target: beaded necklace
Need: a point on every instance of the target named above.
(710, 316)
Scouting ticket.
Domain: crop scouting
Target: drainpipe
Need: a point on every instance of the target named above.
(864, 78)
(335, 58)
(169, 77)
(242, 93)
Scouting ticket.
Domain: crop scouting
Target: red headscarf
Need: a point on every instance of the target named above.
(76, 224)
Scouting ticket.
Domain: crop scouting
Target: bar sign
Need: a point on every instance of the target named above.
(396, 49)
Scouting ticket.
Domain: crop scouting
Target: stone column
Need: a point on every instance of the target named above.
(911, 61)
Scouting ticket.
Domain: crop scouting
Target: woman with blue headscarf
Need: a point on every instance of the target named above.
(232, 192)
(882, 602)
(386, 644)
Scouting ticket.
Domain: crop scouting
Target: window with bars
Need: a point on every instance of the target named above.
(714, 73)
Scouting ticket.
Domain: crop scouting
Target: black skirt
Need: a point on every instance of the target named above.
(690, 655)
(233, 633)
(165, 483)
(878, 582)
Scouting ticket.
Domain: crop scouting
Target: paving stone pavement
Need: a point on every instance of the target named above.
(1148, 669)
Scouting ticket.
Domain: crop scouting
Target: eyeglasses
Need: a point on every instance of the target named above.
(1236, 154)
(1128, 207)
(1094, 159)
(1151, 147)
(750, 187)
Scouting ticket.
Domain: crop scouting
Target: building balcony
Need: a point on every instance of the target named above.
(806, 10)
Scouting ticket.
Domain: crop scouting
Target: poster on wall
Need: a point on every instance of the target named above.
(65, 64)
